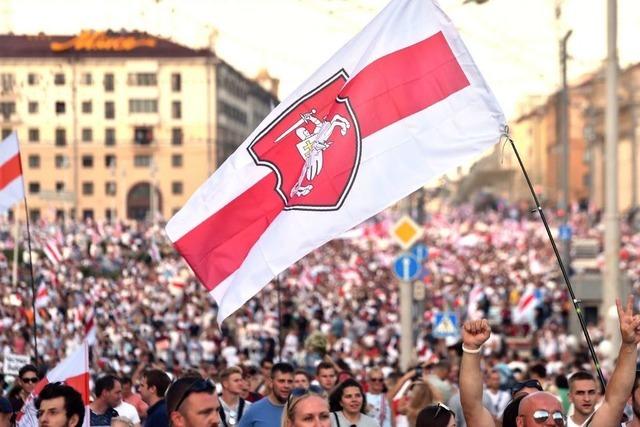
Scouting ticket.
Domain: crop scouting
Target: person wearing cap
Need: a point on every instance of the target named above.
(232, 406)
(544, 408)
(192, 402)
(6, 412)
(59, 405)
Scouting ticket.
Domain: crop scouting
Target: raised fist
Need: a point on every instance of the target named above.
(475, 333)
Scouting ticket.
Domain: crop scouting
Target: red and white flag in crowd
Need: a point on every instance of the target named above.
(525, 311)
(73, 371)
(11, 182)
(399, 104)
(42, 295)
(52, 251)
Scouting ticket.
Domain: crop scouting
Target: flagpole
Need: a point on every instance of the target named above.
(577, 304)
(280, 340)
(33, 284)
(16, 253)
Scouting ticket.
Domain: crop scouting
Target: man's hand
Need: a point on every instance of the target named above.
(629, 324)
(476, 332)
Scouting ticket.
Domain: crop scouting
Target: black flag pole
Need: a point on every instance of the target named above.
(33, 284)
(280, 339)
(577, 304)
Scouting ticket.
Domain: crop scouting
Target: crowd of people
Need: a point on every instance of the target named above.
(338, 305)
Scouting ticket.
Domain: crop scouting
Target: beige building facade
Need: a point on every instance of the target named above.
(104, 117)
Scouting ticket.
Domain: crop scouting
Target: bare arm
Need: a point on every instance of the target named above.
(398, 385)
(619, 388)
(474, 334)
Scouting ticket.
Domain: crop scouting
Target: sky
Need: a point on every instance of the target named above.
(514, 42)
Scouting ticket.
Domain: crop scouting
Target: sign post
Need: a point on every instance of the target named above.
(406, 268)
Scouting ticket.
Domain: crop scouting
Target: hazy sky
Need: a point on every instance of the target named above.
(514, 42)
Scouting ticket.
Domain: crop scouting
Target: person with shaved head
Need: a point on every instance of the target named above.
(544, 408)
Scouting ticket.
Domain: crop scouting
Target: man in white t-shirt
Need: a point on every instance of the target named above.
(128, 411)
(377, 403)
(499, 399)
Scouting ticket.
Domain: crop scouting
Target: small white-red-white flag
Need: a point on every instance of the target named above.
(73, 371)
(11, 182)
(398, 105)
(42, 295)
(52, 251)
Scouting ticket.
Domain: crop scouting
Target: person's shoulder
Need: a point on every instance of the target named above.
(368, 421)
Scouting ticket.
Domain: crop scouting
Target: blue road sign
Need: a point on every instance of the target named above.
(445, 325)
(565, 232)
(420, 251)
(406, 267)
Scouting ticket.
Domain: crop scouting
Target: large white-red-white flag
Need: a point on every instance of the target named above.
(399, 104)
(73, 371)
(11, 182)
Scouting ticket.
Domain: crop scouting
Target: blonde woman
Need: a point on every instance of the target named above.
(121, 422)
(419, 396)
(306, 407)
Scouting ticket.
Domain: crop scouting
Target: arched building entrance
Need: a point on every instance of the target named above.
(139, 201)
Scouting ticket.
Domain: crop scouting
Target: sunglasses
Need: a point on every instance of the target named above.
(31, 380)
(376, 380)
(297, 393)
(541, 416)
(198, 386)
(526, 384)
(442, 406)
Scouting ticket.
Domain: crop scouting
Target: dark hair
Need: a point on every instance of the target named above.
(561, 381)
(28, 368)
(73, 404)
(325, 365)
(303, 372)
(125, 380)
(336, 395)
(282, 367)
(434, 416)
(636, 382)
(107, 382)
(265, 360)
(539, 370)
(158, 379)
(511, 411)
(182, 387)
(581, 376)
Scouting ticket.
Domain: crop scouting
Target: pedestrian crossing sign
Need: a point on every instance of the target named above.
(445, 325)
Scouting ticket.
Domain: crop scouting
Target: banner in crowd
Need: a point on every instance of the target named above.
(399, 104)
(11, 182)
(73, 371)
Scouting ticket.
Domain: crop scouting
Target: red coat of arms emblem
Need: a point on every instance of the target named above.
(313, 147)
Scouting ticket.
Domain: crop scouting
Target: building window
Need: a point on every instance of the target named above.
(176, 187)
(142, 161)
(109, 82)
(32, 79)
(143, 136)
(87, 214)
(34, 135)
(59, 214)
(7, 109)
(61, 137)
(34, 161)
(176, 160)
(142, 79)
(87, 107)
(59, 186)
(87, 188)
(60, 107)
(176, 110)
(58, 79)
(109, 137)
(109, 110)
(87, 161)
(34, 187)
(176, 82)
(7, 82)
(34, 214)
(176, 136)
(86, 79)
(233, 113)
(87, 135)
(110, 161)
(110, 188)
(61, 161)
(143, 106)
(33, 107)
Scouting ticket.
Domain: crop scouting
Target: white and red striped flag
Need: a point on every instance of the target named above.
(11, 182)
(52, 251)
(73, 371)
(399, 104)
